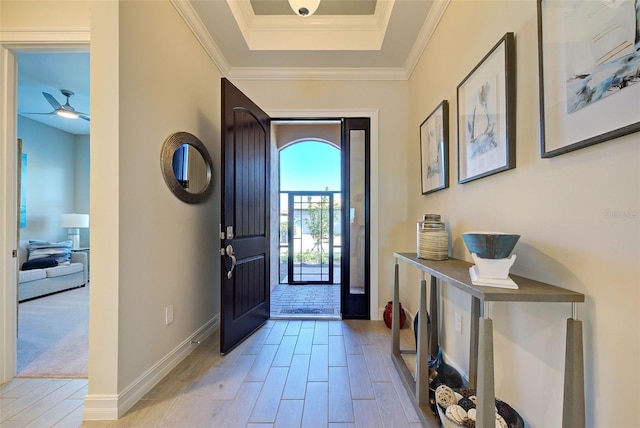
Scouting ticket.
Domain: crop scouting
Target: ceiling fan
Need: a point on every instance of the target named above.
(65, 110)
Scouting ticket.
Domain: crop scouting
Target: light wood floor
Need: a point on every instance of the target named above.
(288, 374)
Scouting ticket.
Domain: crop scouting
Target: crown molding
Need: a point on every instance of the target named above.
(197, 27)
(186, 11)
(317, 32)
(316, 73)
(428, 28)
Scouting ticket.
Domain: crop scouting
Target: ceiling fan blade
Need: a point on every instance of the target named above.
(28, 112)
(54, 103)
(84, 116)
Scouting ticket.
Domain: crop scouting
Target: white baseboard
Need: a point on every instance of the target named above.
(111, 407)
(447, 358)
(454, 364)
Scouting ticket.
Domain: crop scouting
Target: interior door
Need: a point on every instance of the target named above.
(244, 235)
(356, 221)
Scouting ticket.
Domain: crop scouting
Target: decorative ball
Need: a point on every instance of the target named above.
(466, 404)
(469, 423)
(456, 413)
(445, 396)
(472, 414)
(466, 392)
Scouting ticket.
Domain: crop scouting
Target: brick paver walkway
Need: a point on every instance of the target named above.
(306, 301)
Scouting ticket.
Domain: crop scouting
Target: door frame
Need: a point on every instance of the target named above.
(372, 114)
(11, 43)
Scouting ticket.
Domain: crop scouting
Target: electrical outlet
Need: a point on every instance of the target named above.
(168, 315)
(458, 322)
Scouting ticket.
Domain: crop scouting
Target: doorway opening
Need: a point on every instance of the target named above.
(53, 150)
(310, 219)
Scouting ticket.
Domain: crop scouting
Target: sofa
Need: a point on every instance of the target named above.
(70, 269)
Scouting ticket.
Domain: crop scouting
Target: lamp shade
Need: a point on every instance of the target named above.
(74, 220)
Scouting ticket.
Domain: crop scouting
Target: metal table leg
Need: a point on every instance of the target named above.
(434, 342)
(573, 409)
(422, 348)
(395, 314)
(486, 389)
(473, 345)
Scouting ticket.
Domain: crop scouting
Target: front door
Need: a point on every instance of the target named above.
(244, 302)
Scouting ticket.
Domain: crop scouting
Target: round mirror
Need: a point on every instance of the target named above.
(186, 167)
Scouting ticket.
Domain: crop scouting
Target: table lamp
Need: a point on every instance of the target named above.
(74, 222)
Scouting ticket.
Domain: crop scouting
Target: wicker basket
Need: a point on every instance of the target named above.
(508, 413)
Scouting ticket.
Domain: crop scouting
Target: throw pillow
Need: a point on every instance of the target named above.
(60, 251)
(42, 263)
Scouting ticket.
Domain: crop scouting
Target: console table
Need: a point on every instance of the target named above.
(455, 273)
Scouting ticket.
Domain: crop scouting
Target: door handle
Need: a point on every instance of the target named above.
(229, 252)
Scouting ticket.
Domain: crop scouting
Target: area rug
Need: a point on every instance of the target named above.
(53, 335)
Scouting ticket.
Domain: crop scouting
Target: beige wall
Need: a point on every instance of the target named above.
(149, 249)
(560, 206)
(20, 15)
(159, 250)
(167, 249)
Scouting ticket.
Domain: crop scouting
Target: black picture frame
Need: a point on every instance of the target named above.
(486, 114)
(434, 150)
(599, 99)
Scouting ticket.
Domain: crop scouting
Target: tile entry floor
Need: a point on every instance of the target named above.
(290, 373)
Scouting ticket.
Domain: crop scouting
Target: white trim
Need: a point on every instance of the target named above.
(18, 39)
(317, 73)
(317, 32)
(47, 36)
(445, 356)
(428, 28)
(193, 21)
(201, 33)
(111, 407)
(455, 365)
(372, 114)
(8, 215)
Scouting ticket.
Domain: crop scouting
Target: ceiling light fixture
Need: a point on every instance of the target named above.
(304, 7)
(67, 114)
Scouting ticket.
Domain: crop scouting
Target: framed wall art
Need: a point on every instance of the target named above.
(434, 149)
(487, 114)
(589, 68)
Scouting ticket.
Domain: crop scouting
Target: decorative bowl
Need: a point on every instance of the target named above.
(490, 245)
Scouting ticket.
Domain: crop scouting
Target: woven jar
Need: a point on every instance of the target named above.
(432, 238)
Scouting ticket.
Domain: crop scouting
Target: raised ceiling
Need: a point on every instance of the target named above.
(263, 39)
(344, 39)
